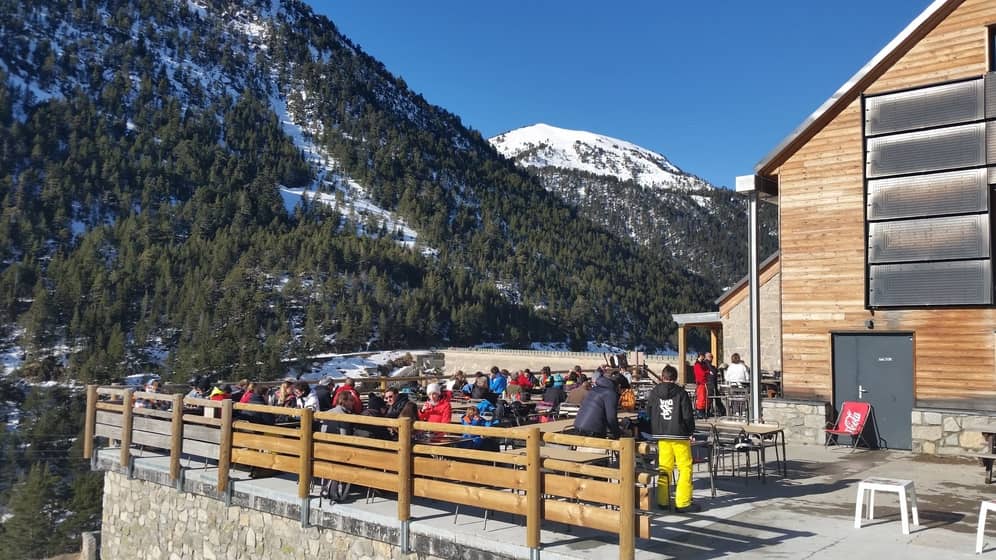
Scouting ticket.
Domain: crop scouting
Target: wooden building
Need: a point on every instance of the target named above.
(886, 233)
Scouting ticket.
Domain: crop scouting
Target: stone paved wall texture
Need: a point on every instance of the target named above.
(803, 421)
(938, 432)
(736, 328)
(147, 520)
(471, 361)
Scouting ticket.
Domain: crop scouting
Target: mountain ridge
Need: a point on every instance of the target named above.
(149, 217)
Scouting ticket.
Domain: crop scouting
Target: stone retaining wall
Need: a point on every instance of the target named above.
(149, 519)
(472, 360)
(948, 432)
(803, 421)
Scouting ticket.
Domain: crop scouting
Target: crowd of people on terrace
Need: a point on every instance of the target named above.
(494, 398)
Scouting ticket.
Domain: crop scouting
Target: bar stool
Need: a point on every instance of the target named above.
(900, 487)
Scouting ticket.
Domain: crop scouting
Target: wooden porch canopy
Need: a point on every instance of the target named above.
(709, 320)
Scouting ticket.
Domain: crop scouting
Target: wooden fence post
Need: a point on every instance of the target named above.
(127, 406)
(176, 439)
(225, 446)
(90, 427)
(627, 506)
(534, 491)
(306, 452)
(406, 483)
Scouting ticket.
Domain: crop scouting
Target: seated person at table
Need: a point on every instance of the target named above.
(480, 389)
(331, 489)
(498, 381)
(304, 397)
(472, 417)
(737, 372)
(323, 393)
(554, 393)
(437, 408)
(349, 385)
(152, 387)
(598, 415)
(257, 396)
(579, 392)
(398, 406)
(673, 423)
(459, 385)
(283, 395)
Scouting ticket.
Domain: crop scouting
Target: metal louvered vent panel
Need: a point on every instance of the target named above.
(930, 239)
(925, 107)
(927, 150)
(990, 79)
(947, 283)
(952, 192)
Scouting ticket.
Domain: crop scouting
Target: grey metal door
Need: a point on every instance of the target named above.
(877, 368)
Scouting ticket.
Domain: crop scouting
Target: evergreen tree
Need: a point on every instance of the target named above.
(31, 530)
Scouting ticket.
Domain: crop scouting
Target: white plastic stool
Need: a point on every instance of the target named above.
(983, 510)
(900, 487)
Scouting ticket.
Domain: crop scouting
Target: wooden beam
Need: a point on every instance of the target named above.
(126, 423)
(306, 451)
(714, 345)
(405, 485)
(225, 447)
(176, 443)
(90, 427)
(534, 488)
(627, 505)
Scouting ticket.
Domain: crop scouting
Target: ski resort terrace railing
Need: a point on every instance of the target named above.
(614, 499)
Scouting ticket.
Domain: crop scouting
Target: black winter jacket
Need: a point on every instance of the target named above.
(598, 411)
(671, 415)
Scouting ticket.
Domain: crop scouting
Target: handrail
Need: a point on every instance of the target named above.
(543, 489)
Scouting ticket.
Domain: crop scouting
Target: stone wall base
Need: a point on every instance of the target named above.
(146, 519)
(950, 432)
(803, 421)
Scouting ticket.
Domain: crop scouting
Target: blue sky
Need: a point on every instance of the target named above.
(712, 85)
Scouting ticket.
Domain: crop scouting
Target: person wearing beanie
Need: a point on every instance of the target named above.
(437, 408)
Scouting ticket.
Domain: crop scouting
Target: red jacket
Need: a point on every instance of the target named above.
(357, 405)
(440, 412)
(701, 373)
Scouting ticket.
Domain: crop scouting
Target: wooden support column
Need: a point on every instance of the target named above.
(90, 428)
(225, 446)
(307, 454)
(534, 490)
(682, 352)
(127, 421)
(627, 505)
(714, 345)
(176, 438)
(405, 483)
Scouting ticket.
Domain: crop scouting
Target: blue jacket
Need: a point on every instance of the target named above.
(498, 384)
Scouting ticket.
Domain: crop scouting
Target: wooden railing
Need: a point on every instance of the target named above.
(614, 499)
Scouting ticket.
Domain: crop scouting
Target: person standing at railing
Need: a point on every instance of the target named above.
(672, 422)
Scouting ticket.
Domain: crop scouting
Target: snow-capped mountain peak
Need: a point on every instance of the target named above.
(542, 145)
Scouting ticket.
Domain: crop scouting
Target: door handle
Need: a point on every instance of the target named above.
(861, 391)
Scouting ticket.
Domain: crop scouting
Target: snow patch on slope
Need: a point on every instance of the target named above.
(542, 145)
